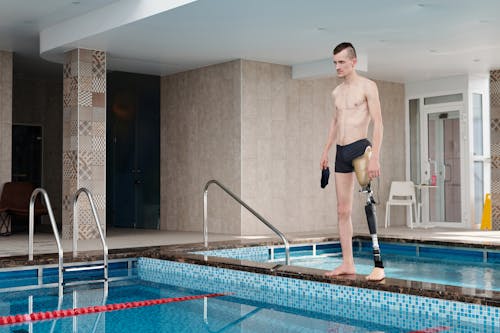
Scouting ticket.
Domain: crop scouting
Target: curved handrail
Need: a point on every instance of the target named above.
(257, 215)
(99, 228)
(45, 196)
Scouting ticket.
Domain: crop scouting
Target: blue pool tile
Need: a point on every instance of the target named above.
(319, 297)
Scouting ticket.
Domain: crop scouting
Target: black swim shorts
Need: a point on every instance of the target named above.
(346, 154)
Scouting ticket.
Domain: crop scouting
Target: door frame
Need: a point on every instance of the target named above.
(426, 110)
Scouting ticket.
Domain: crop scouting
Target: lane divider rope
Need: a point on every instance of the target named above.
(432, 330)
(23, 318)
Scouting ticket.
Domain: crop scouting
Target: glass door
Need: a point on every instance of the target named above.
(441, 168)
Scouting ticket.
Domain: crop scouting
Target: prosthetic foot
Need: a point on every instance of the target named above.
(361, 169)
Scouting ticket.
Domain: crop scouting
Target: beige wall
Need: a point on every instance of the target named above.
(284, 128)
(265, 144)
(5, 117)
(200, 140)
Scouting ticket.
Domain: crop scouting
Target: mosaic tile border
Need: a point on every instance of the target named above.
(265, 253)
(256, 253)
(395, 309)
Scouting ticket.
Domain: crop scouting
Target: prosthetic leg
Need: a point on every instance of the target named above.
(361, 170)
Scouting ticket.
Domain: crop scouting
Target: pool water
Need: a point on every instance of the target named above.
(222, 314)
(432, 270)
(454, 266)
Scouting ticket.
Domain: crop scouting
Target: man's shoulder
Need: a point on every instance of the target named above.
(366, 81)
(338, 88)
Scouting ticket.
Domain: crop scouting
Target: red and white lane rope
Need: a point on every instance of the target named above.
(23, 318)
(432, 330)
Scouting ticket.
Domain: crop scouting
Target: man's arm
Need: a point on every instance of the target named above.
(330, 140)
(375, 111)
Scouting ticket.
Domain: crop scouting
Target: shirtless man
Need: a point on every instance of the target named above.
(356, 102)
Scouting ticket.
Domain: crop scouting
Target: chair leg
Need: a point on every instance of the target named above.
(387, 213)
(419, 210)
(411, 216)
(5, 224)
(417, 215)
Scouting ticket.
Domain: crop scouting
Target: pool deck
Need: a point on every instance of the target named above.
(176, 246)
(17, 244)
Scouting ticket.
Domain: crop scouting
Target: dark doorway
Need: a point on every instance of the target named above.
(27, 164)
(133, 150)
(27, 154)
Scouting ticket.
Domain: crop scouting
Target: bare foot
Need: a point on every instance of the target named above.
(344, 269)
(376, 275)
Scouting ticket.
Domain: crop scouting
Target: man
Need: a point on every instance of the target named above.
(356, 102)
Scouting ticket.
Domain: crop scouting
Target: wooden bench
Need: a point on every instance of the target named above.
(15, 201)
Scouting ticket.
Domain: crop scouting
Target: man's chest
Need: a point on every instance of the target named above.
(349, 100)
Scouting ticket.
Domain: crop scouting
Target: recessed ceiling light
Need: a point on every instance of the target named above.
(433, 51)
(382, 40)
(421, 5)
(476, 60)
(75, 2)
(484, 21)
(321, 29)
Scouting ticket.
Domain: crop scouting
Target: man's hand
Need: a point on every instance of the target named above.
(373, 168)
(324, 160)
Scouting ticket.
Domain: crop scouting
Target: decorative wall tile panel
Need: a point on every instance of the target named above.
(86, 83)
(495, 77)
(495, 162)
(100, 201)
(99, 129)
(84, 90)
(99, 143)
(85, 128)
(66, 71)
(85, 98)
(495, 148)
(69, 165)
(99, 158)
(85, 72)
(495, 124)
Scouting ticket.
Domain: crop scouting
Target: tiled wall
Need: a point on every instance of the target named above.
(495, 147)
(403, 311)
(264, 144)
(84, 138)
(200, 140)
(5, 116)
(285, 124)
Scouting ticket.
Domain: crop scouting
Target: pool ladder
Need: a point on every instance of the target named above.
(61, 268)
(257, 215)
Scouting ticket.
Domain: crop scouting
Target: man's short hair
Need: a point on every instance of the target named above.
(351, 51)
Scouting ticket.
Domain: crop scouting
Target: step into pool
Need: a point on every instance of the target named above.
(448, 265)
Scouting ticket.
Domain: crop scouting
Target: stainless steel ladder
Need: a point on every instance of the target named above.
(61, 268)
(101, 235)
(45, 196)
(257, 215)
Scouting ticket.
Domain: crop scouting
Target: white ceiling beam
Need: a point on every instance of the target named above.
(101, 20)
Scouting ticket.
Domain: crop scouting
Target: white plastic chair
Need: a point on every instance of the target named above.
(401, 194)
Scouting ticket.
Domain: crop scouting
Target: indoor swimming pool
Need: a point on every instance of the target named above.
(455, 266)
(254, 303)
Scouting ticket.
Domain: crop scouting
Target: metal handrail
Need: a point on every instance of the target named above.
(99, 228)
(257, 215)
(54, 228)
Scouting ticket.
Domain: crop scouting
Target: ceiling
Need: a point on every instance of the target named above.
(402, 41)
